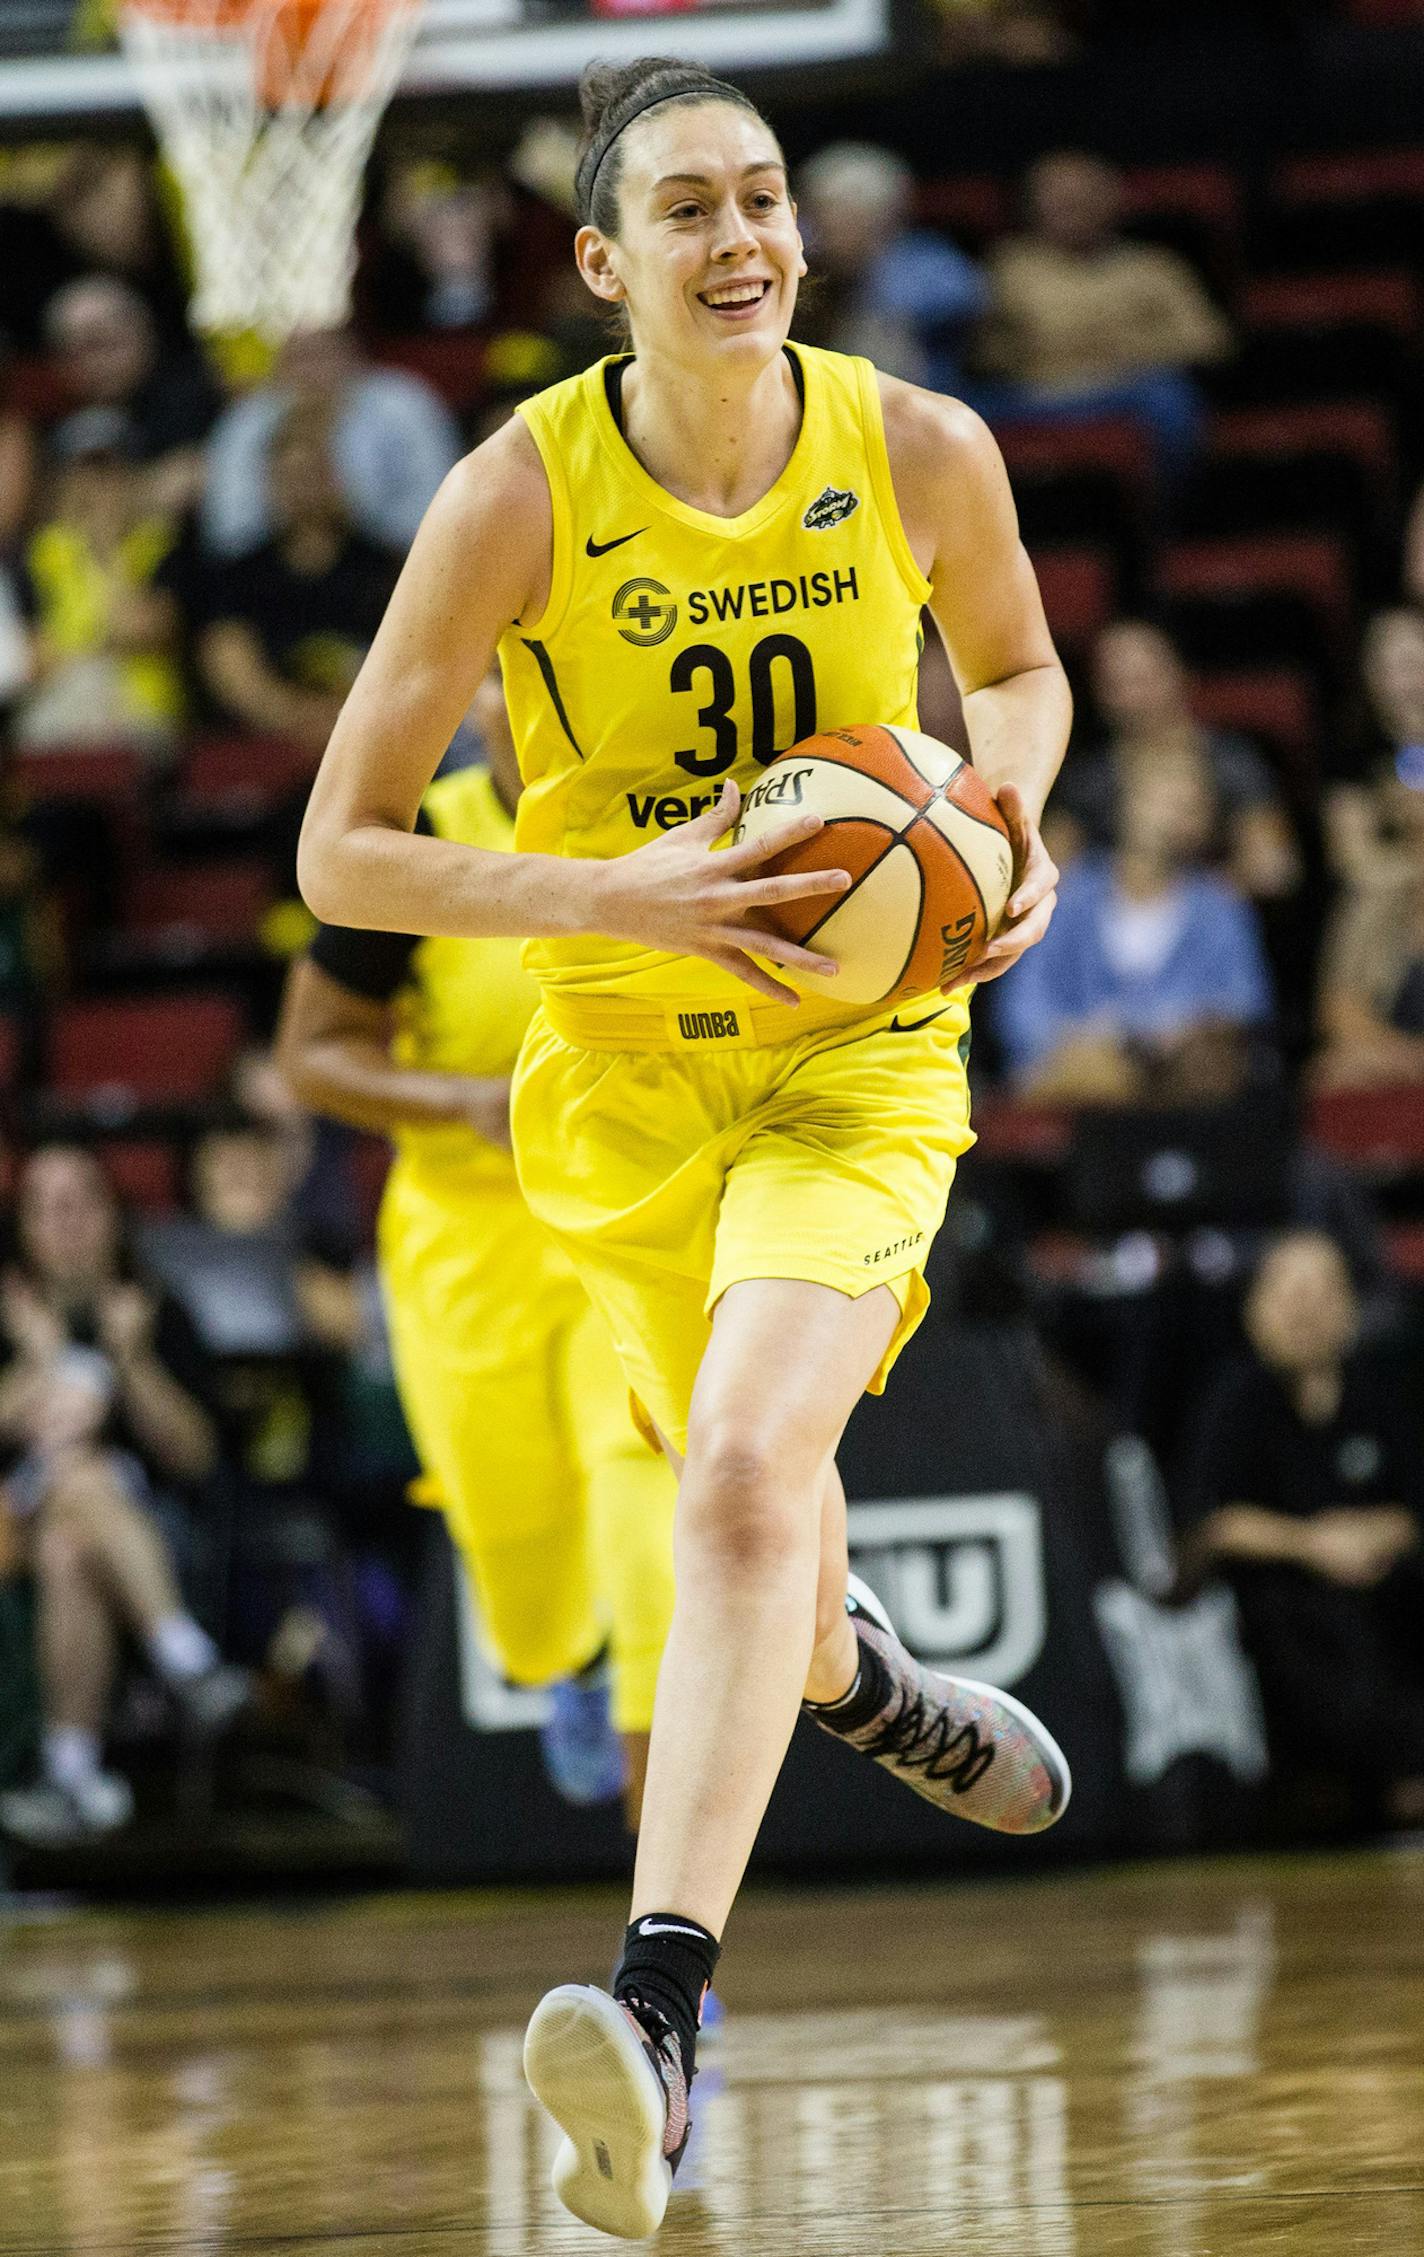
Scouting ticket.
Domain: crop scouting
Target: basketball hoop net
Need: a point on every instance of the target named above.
(266, 111)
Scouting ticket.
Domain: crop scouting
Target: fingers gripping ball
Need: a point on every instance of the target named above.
(926, 847)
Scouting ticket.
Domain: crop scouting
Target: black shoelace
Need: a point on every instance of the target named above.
(922, 1739)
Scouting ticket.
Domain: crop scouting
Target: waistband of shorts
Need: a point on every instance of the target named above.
(619, 1022)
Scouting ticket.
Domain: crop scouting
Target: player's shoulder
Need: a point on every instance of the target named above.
(499, 489)
(934, 441)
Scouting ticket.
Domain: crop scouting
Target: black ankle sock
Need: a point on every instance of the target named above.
(668, 1962)
(865, 1697)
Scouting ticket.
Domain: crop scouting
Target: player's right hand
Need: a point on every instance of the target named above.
(684, 895)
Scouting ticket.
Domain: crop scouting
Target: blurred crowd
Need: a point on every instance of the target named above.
(201, 1447)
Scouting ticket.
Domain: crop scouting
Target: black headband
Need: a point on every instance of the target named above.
(706, 90)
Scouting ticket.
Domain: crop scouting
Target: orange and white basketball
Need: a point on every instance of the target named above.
(924, 842)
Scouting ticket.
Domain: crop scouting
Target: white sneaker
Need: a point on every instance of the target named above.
(618, 2092)
(49, 1816)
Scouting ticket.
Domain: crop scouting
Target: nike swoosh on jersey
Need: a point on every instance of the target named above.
(601, 548)
(895, 1026)
(666, 1928)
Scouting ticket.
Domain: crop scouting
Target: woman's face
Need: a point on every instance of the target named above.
(1301, 1312)
(707, 256)
(1137, 678)
(68, 1222)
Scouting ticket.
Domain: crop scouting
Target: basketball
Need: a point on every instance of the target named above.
(924, 842)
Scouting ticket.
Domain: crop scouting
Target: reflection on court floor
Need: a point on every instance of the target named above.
(1177, 2062)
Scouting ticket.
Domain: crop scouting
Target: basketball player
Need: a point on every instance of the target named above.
(513, 1394)
(690, 556)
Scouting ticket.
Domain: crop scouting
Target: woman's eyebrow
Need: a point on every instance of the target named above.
(704, 180)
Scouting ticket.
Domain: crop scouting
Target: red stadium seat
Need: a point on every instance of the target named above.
(1311, 567)
(245, 774)
(1359, 429)
(1387, 11)
(1405, 1244)
(1339, 333)
(1329, 465)
(1079, 588)
(128, 1051)
(453, 366)
(1388, 301)
(972, 207)
(202, 901)
(1379, 1131)
(1274, 703)
(144, 1171)
(1195, 210)
(1079, 482)
(113, 774)
(1113, 445)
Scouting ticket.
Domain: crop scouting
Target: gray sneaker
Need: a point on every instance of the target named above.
(48, 1816)
(968, 1748)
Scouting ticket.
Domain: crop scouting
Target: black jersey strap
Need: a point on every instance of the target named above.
(615, 371)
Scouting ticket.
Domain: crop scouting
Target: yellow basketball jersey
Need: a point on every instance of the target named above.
(467, 1002)
(677, 648)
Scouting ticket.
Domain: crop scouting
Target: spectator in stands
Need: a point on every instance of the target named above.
(103, 632)
(1142, 693)
(281, 630)
(267, 1303)
(1308, 1479)
(1151, 978)
(392, 438)
(1085, 323)
(104, 1425)
(435, 269)
(902, 295)
(103, 336)
(1372, 972)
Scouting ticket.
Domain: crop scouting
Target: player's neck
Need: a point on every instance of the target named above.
(717, 444)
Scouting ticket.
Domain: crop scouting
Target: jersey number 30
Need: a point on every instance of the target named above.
(703, 666)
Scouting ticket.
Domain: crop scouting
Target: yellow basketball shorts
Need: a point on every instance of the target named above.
(669, 1175)
(519, 1415)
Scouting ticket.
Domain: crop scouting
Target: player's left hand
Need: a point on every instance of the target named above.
(1033, 900)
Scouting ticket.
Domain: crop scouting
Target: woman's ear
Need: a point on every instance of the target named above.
(594, 254)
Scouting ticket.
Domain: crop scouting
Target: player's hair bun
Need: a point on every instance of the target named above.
(611, 96)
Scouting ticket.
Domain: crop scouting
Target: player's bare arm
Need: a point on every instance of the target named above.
(961, 523)
(334, 1051)
(480, 561)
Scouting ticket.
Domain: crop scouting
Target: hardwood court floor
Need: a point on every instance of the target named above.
(1176, 2061)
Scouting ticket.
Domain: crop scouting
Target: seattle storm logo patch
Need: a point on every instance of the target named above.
(832, 507)
(644, 612)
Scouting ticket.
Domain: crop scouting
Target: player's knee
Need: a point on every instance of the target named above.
(740, 1509)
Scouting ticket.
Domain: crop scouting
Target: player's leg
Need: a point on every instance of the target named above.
(631, 1495)
(478, 1305)
(784, 1367)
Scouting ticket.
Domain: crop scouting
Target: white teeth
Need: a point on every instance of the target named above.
(741, 294)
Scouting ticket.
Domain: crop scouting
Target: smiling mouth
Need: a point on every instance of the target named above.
(735, 297)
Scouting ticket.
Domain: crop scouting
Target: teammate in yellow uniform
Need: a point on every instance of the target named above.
(515, 1399)
(688, 557)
